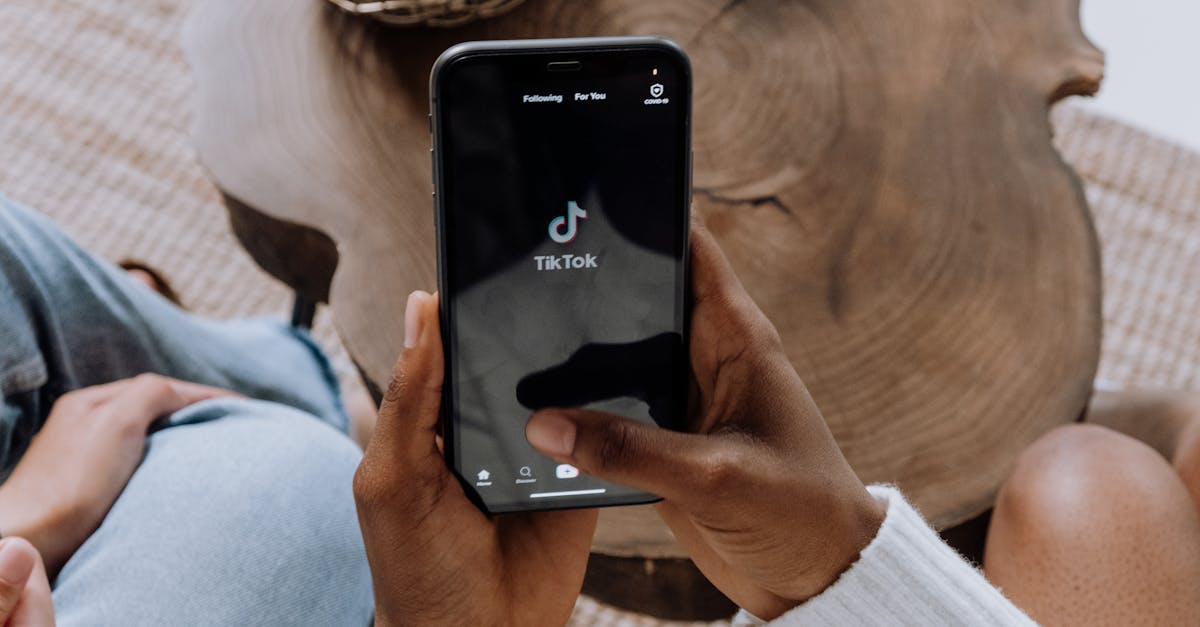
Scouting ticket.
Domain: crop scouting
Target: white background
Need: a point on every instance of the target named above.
(1152, 74)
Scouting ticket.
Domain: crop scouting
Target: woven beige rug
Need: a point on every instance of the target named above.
(1145, 198)
(94, 132)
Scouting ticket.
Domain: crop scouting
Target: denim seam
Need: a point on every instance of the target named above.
(326, 370)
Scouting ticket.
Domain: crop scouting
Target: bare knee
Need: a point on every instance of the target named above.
(1095, 527)
(1076, 473)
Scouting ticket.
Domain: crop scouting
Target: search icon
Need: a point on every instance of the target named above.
(526, 471)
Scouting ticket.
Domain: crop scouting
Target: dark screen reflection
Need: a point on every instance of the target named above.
(612, 371)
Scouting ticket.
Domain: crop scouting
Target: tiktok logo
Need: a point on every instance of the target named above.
(563, 230)
(571, 221)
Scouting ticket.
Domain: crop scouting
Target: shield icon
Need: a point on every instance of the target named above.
(656, 90)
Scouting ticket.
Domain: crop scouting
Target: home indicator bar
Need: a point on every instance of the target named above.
(547, 495)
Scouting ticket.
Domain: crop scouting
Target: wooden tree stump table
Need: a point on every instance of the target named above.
(880, 175)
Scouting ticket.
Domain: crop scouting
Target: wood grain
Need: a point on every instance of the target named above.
(880, 175)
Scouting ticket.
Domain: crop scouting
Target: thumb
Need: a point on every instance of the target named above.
(17, 559)
(408, 418)
(36, 608)
(676, 466)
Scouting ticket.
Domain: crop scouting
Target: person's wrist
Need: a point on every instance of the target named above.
(869, 515)
(854, 518)
(21, 518)
(16, 519)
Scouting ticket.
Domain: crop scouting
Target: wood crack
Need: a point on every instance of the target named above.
(755, 201)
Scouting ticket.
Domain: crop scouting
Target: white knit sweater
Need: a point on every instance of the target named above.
(905, 576)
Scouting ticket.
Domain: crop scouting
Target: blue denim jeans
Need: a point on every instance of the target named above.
(241, 512)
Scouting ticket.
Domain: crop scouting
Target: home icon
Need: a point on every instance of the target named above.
(484, 475)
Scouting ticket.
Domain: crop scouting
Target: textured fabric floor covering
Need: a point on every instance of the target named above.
(94, 132)
(1145, 198)
(94, 119)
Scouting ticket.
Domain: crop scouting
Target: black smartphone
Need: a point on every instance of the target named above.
(562, 182)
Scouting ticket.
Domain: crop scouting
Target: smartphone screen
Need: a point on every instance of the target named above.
(563, 176)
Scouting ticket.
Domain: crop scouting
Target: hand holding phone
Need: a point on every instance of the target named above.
(759, 495)
(758, 492)
(435, 558)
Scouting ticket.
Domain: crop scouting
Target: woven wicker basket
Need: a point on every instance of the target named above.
(426, 12)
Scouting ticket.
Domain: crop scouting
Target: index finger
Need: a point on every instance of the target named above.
(90, 397)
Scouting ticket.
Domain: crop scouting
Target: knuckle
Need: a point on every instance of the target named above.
(365, 492)
(721, 470)
(395, 388)
(412, 380)
(747, 326)
(148, 378)
(372, 488)
(618, 443)
(754, 343)
(768, 335)
(760, 331)
(149, 383)
(382, 489)
(71, 401)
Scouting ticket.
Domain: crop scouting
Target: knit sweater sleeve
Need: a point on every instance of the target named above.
(905, 576)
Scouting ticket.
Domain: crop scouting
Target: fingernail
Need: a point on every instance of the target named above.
(551, 434)
(412, 318)
(15, 564)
